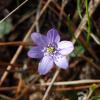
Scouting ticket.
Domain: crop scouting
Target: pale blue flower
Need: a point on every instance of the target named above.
(50, 50)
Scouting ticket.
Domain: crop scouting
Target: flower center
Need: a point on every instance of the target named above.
(50, 49)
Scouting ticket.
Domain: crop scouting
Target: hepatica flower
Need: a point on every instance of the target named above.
(50, 50)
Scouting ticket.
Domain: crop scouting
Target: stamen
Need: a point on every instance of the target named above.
(50, 49)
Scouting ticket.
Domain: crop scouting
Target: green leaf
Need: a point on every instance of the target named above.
(5, 27)
(95, 98)
(79, 9)
(79, 50)
(70, 25)
(89, 20)
(93, 87)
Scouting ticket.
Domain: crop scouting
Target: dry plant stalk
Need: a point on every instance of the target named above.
(78, 82)
(13, 11)
(17, 43)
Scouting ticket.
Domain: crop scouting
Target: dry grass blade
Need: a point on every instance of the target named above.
(74, 88)
(64, 2)
(16, 43)
(97, 67)
(95, 39)
(3, 97)
(78, 82)
(51, 83)
(13, 11)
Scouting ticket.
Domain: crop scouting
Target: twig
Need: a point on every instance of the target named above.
(23, 18)
(90, 94)
(16, 43)
(28, 87)
(37, 16)
(19, 87)
(97, 67)
(21, 47)
(79, 82)
(51, 83)
(8, 88)
(56, 12)
(64, 2)
(7, 63)
(74, 88)
(13, 11)
(88, 48)
(70, 85)
(58, 7)
(95, 38)
(3, 97)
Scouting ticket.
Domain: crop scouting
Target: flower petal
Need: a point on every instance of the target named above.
(53, 36)
(65, 47)
(39, 39)
(61, 61)
(35, 52)
(45, 65)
